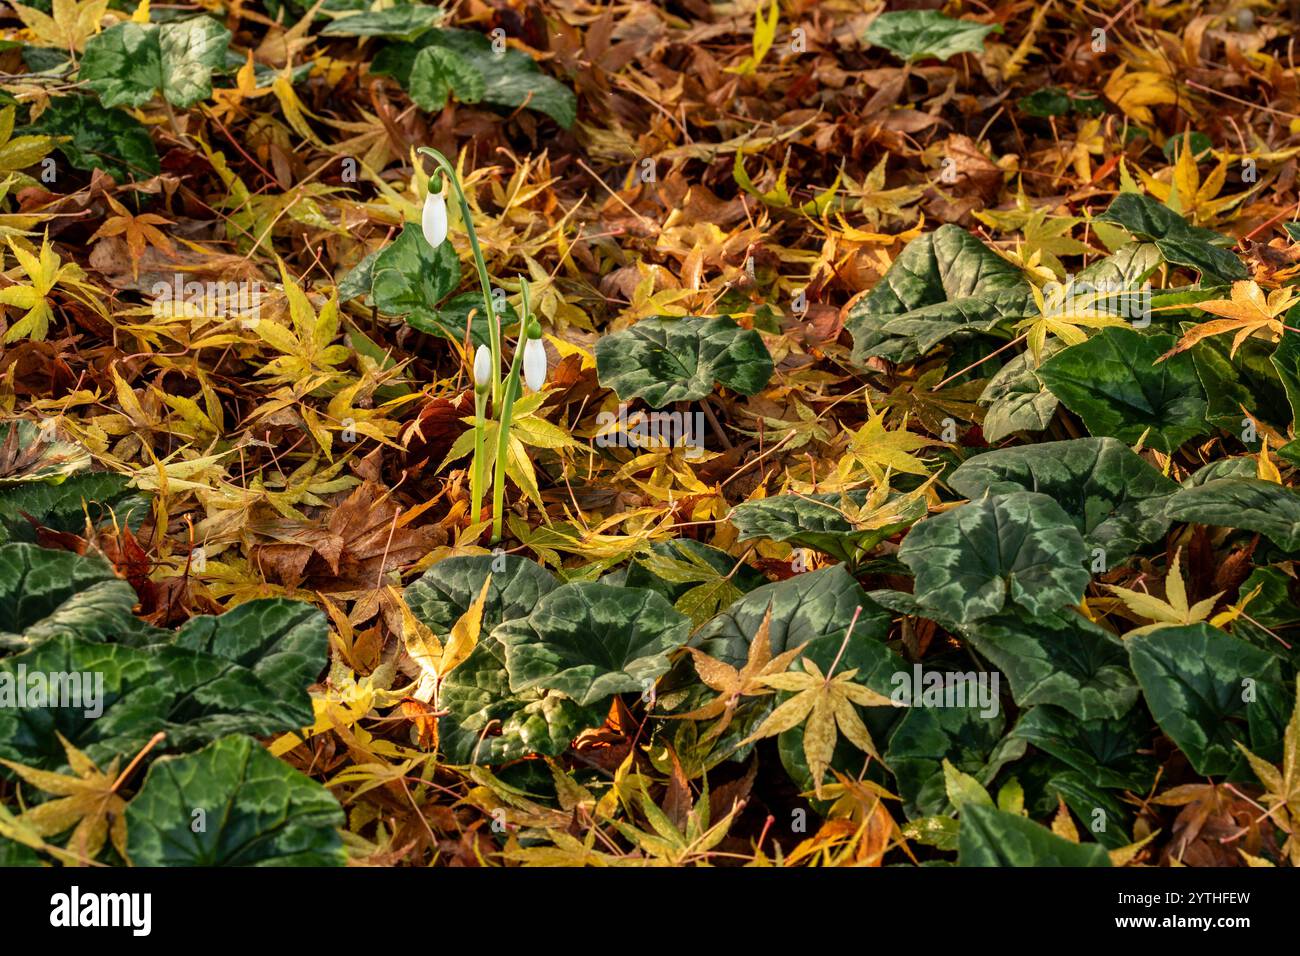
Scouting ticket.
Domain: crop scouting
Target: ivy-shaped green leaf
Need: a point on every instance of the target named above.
(665, 360)
(981, 557)
(942, 283)
(1115, 499)
(129, 62)
(1116, 384)
(256, 811)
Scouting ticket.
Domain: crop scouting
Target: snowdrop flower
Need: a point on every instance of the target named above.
(482, 367)
(535, 364)
(434, 219)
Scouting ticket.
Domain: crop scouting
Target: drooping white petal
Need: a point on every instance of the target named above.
(535, 364)
(482, 366)
(434, 219)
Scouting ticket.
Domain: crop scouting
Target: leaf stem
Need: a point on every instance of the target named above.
(478, 466)
(511, 392)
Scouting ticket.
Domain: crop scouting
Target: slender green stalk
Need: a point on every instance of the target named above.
(479, 464)
(466, 215)
(503, 423)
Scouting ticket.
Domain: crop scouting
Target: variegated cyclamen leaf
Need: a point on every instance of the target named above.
(1208, 691)
(663, 360)
(256, 811)
(1115, 499)
(590, 641)
(1249, 503)
(1118, 385)
(992, 837)
(942, 283)
(818, 522)
(985, 556)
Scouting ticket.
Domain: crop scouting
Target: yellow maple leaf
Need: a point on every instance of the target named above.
(68, 25)
(1248, 311)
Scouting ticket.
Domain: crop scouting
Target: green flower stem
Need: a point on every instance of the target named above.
(503, 425)
(466, 215)
(478, 467)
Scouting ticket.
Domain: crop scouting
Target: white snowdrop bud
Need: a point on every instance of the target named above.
(434, 219)
(535, 364)
(482, 367)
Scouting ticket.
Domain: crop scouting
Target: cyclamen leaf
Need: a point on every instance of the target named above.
(1104, 749)
(1115, 499)
(251, 678)
(590, 641)
(1208, 690)
(814, 608)
(817, 521)
(1115, 384)
(405, 21)
(942, 283)
(410, 278)
(128, 63)
(981, 557)
(99, 138)
(438, 72)
(926, 736)
(257, 811)
(1250, 503)
(1180, 243)
(1058, 658)
(665, 360)
(64, 506)
(1016, 399)
(991, 837)
(446, 591)
(46, 593)
(927, 34)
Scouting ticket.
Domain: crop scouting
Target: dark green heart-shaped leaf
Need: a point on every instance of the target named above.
(981, 557)
(1180, 243)
(1017, 401)
(992, 837)
(46, 593)
(924, 737)
(405, 21)
(285, 643)
(65, 505)
(1058, 658)
(1113, 382)
(1232, 381)
(508, 79)
(1286, 359)
(819, 522)
(927, 34)
(664, 360)
(814, 608)
(1115, 499)
(190, 695)
(489, 724)
(1250, 503)
(1208, 690)
(99, 138)
(1104, 749)
(590, 641)
(410, 278)
(232, 804)
(438, 72)
(459, 312)
(943, 282)
(129, 62)
(446, 591)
